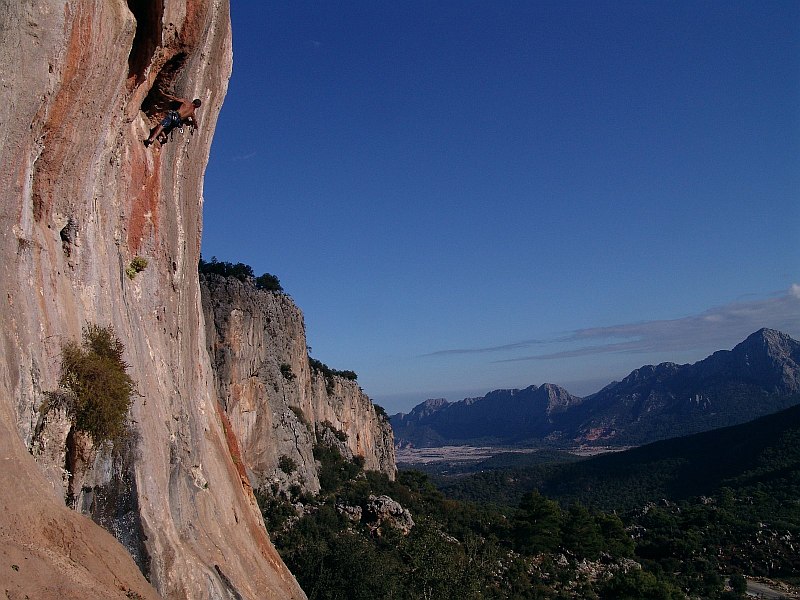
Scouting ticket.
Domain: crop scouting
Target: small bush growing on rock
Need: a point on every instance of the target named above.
(136, 266)
(287, 464)
(286, 371)
(301, 416)
(97, 385)
(337, 433)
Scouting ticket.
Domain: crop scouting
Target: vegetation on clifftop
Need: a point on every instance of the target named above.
(327, 372)
(240, 271)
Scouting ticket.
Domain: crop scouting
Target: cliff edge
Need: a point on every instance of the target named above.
(280, 403)
(83, 82)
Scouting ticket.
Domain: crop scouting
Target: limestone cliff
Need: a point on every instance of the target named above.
(83, 82)
(277, 404)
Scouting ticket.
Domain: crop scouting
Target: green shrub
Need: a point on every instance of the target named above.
(334, 469)
(275, 510)
(98, 388)
(136, 266)
(241, 271)
(287, 464)
(328, 373)
(269, 283)
(380, 411)
(286, 371)
(301, 416)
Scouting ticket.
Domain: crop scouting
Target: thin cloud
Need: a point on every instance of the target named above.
(620, 347)
(716, 327)
(503, 348)
(242, 157)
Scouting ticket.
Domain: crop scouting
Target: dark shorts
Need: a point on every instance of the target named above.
(172, 119)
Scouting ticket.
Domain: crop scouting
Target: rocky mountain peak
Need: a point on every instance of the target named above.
(768, 358)
(422, 410)
(648, 372)
(432, 404)
(774, 344)
(558, 399)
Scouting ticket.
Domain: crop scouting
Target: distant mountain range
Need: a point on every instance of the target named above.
(758, 377)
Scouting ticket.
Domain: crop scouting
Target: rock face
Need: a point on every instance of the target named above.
(83, 81)
(277, 404)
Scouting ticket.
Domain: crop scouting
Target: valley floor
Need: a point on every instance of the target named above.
(424, 456)
(468, 454)
(772, 590)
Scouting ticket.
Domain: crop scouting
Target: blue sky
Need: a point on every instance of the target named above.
(464, 196)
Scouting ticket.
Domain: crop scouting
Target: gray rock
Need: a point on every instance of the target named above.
(277, 404)
(382, 511)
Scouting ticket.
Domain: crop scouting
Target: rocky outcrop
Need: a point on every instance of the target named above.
(379, 514)
(83, 82)
(382, 511)
(277, 403)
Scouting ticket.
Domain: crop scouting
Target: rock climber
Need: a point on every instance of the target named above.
(183, 113)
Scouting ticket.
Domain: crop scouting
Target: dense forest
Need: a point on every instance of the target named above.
(710, 509)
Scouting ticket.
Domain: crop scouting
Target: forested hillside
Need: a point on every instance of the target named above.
(685, 517)
(764, 452)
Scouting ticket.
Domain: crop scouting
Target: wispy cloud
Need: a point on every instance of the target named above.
(242, 157)
(716, 327)
(489, 349)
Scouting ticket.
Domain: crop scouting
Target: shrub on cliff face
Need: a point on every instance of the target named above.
(286, 371)
(334, 469)
(380, 411)
(136, 266)
(287, 464)
(98, 388)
